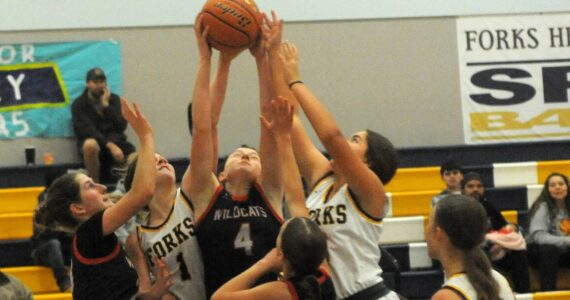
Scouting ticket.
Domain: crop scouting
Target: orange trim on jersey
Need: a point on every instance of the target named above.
(240, 198)
(94, 261)
(292, 290)
(219, 189)
(273, 212)
(324, 276)
(361, 211)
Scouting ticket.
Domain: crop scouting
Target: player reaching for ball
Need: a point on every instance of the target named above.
(169, 231)
(239, 213)
(348, 196)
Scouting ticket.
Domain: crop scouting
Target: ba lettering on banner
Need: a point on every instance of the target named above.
(515, 77)
(38, 82)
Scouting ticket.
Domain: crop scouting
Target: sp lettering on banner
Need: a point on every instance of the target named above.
(515, 78)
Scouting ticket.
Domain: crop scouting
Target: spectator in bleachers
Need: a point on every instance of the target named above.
(13, 289)
(455, 229)
(549, 234)
(505, 246)
(451, 174)
(99, 127)
(50, 247)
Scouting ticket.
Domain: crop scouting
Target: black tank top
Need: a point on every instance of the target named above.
(99, 266)
(233, 234)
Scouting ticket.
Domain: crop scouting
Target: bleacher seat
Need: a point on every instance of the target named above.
(39, 279)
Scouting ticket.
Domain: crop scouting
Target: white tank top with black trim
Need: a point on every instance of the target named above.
(176, 241)
(352, 238)
(462, 286)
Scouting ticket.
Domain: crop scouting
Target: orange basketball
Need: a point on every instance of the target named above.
(234, 24)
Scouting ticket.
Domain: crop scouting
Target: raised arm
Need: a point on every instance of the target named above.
(280, 126)
(271, 171)
(143, 182)
(218, 89)
(361, 180)
(203, 183)
(312, 163)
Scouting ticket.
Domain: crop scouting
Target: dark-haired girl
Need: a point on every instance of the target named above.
(549, 234)
(347, 193)
(301, 250)
(75, 202)
(454, 234)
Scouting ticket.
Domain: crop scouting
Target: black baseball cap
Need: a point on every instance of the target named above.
(95, 74)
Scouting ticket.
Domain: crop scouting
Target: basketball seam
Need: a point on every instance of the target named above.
(246, 8)
(230, 25)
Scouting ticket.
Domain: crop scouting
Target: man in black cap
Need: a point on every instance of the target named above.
(100, 127)
(512, 261)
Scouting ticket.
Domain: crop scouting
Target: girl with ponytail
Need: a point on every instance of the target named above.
(454, 234)
(300, 254)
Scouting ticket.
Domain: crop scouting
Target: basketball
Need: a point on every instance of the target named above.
(234, 24)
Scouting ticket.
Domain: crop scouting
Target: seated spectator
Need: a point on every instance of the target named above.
(99, 127)
(451, 174)
(548, 238)
(50, 247)
(511, 258)
(454, 232)
(13, 289)
(301, 250)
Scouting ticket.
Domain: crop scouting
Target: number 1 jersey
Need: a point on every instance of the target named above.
(175, 240)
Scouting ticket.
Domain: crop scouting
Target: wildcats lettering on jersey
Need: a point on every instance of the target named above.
(240, 212)
(180, 233)
(330, 214)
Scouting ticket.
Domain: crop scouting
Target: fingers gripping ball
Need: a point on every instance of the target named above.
(565, 226)
(234, 24)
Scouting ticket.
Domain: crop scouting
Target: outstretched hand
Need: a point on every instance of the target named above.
(290, 57)
(163, 282)
(272, 31)
(201, 38)
(282, 117)
(136, 119)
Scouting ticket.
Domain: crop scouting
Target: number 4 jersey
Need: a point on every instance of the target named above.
(234, 234)
(175, 240)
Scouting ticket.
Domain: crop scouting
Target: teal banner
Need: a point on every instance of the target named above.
(38, 83)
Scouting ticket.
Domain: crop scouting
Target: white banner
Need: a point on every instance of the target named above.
(515, 77)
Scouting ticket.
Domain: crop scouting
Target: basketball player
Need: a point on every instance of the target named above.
(455, 231)
(348, 196)
(170, 232)
(75, 202)
(238, 213)
(301, 245)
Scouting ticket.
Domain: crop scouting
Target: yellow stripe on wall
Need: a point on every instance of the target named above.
(412, 203)
(511, 216)
(19, 199)
(16, 226)
(416, 179)
(562, 295)
(56, 296)
(39, 279)
(544, 168)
